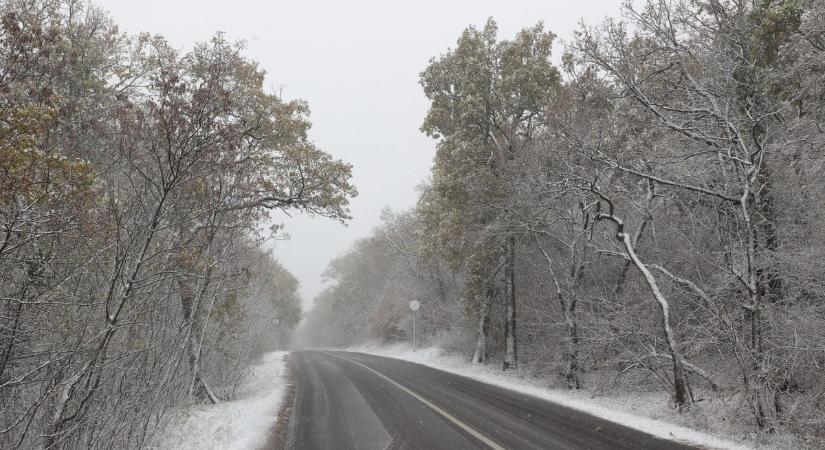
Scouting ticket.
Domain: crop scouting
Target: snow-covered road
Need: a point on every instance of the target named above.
(354, 400)
(335, 406)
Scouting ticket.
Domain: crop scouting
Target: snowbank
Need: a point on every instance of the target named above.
(435, 358)
(241, 424)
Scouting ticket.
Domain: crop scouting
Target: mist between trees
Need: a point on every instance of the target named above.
(133, 182)
(650, 213)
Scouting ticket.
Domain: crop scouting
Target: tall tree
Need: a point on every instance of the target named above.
(487, 98)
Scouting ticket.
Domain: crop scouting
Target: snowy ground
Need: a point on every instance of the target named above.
(241, 424)
(614, 409)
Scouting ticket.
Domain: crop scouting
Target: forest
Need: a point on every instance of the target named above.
(635, 207)
(646, 213)
(134, 182)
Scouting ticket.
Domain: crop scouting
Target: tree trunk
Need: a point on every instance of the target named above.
(763, 397)
(480, 355)
(619, 288)
(769, 290)
(510, 347)
(197, 388)
(682, 396)
(681, 390)
(191, 298)
(637, 237)
(571, 353)
(572, 349)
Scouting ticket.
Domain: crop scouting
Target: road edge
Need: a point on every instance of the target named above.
(278, 434)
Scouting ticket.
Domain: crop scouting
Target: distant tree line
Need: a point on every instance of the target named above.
(134, 183)
(652, 205)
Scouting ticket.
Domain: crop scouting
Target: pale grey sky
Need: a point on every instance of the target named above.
(357, 64)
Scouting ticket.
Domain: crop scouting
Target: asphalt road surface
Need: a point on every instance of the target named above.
(346, 400)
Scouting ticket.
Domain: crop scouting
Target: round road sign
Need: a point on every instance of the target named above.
(414, 305)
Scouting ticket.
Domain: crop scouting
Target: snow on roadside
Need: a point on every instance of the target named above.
(435, 358)
(240, 424)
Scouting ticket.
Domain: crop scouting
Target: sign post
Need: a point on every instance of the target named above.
(414, 305)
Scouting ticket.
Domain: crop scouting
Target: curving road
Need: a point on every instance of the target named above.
(348, 400)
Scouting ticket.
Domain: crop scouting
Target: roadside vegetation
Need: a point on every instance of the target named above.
(134, 183)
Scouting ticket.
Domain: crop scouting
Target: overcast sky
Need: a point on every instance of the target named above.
(357, 64)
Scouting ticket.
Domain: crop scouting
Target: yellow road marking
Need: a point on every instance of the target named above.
(489, 442)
